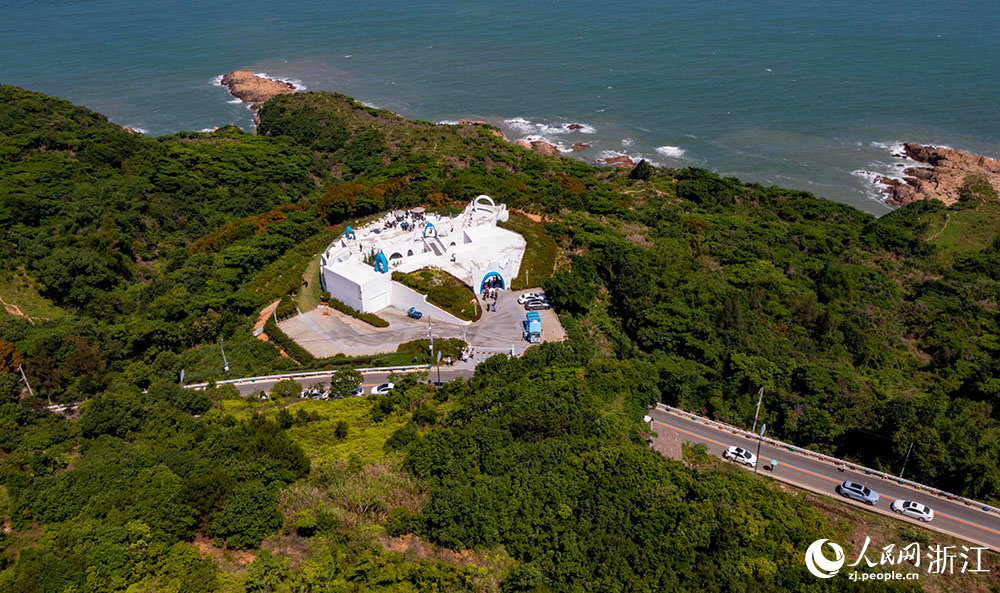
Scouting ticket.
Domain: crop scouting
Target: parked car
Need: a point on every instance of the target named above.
(383, 388)
(414, 313)
(740, 455)
(913, 509)
(536, 305)
(529, 296)
(858, 492)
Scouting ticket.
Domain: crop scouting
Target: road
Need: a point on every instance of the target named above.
(951, 517)
(370, 380)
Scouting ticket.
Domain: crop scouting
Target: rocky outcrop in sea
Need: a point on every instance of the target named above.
(255, 90)
(940, 175)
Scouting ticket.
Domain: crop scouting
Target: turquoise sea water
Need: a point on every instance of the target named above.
(799, 93)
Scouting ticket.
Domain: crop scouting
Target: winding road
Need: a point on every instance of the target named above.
(955, 518)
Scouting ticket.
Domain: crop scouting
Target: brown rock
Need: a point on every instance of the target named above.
(524, 144)
(255, 90)
(620, 162)
(943, 176)
(544, 148)
(574, 127)
(579, 146)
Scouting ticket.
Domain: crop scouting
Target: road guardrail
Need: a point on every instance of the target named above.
(308, 374)
(835, 461)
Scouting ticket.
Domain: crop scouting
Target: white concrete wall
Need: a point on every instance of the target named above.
(404, 297)
(343, 289)
(376, 293)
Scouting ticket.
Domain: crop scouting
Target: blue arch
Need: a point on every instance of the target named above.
(430, 226)
(381, 264)
(488, 275)
(350, 234)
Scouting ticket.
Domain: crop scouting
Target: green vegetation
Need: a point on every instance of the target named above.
(540, 252)
(680, 286)
(444, 290)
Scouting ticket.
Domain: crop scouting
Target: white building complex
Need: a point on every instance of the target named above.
(469, 246)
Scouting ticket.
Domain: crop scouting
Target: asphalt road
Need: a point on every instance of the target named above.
(370, 380)
(951, 517)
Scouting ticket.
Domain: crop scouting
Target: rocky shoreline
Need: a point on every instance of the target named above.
(255, 90)
(940, 175)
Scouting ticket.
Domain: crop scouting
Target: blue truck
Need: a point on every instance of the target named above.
(532, 327)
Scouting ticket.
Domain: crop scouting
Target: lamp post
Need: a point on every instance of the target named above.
(756, 414)
(760, 438)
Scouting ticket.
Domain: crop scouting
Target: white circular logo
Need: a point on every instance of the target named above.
(819, 564)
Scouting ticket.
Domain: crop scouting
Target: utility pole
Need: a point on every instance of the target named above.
(760, 438)
(756, 415)
(24, 378)
(224, 361)
(907, 458)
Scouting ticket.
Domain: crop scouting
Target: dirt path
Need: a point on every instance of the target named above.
(13, 309)
(947, 219)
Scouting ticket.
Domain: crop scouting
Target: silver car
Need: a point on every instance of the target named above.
(858, 492)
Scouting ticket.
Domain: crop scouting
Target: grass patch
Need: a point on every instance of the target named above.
(365, 438)
(442, 289)
(21, 298)
(309, 296)
(539, 255)
(969, 229)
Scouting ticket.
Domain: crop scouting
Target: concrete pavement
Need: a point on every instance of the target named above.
(326, 332)
(951, 517)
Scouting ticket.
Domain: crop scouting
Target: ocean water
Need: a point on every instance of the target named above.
(800, 93)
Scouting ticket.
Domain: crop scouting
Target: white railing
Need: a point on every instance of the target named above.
(835, 461)
(308, 374)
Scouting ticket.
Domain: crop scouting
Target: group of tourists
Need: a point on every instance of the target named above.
(491, 292)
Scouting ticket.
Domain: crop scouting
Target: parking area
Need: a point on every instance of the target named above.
(327, 332)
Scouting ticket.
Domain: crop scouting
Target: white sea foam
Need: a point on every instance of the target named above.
(217, 81)
(295, 82)
(525, 126)
(235, 101)
(205, 130)
(674, 152)
(138, 129)
(626, 142)
(560, 146)
(448, 122)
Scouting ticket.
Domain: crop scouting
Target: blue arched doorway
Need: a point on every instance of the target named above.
(489, 275)
(381, 263)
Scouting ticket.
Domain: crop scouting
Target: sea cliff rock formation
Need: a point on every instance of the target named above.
(579, 146)
(541, 147)
(943, 176)
(255, 90)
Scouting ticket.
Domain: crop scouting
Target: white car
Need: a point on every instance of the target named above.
(383, 388)
(912, 509)
(528, 296)
(740, 455)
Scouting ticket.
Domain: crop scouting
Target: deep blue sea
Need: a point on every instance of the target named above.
(799, 93)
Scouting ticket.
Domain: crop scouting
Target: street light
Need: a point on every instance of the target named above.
(760, 438)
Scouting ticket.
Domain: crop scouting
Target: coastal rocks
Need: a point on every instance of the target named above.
(574, 127)
(579, 146)
(619, 162)
(539, 146)
(942, 178)
(255, 90)
(491, 129)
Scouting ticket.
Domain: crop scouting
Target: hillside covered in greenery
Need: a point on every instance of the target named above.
(128, 259)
